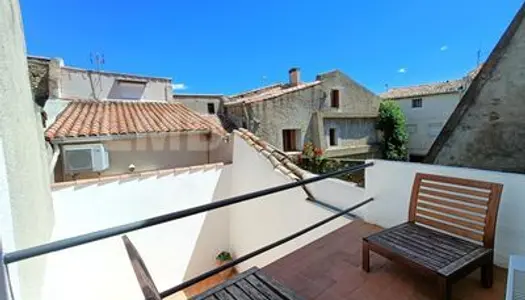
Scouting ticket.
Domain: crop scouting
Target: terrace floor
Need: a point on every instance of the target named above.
(330, 268)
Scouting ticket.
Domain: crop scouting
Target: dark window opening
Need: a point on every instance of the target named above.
(211, 108)
(333, 137)
(334, 98)
(417, 103)
(290, 140)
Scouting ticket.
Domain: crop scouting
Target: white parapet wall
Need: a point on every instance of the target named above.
(262, 221)
(390, 184)
(173, 252)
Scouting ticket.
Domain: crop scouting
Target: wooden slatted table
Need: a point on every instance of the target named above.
(250, 285)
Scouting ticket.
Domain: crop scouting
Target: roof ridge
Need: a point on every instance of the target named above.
(269, 96)
(257, 90)
(138, 175)
(426, 84)
(277, 158)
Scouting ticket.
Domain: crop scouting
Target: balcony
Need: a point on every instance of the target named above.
(323, 263)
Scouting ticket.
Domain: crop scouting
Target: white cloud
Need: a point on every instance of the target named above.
(179, 86)
(443, 48)
(402, 70)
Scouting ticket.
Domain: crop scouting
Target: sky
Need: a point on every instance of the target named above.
(225, 47)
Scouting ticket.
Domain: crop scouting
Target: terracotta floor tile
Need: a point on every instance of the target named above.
(330, 268)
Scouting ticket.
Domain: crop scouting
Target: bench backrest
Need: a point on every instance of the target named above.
(463, 207)
(141, 272)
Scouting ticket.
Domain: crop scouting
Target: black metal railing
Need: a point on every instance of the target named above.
(118, 230)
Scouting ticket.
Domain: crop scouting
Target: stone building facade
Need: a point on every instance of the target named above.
(487, 128)
(333, 112)
(39, 78)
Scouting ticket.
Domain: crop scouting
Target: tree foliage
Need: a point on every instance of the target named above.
(392, 124)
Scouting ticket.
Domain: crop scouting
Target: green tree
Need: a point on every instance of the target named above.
(392, 124)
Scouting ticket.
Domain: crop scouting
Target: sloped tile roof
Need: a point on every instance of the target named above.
(269, 92)
(94, 118)
(448, 87)
(220, 122)
(454, 86)
(280, 160)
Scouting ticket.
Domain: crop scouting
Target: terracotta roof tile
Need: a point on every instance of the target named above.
(280, 160)
(455, 86)
(269, 92)
(448, 87)
(90, 118)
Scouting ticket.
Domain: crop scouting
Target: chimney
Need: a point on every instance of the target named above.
(295, 76)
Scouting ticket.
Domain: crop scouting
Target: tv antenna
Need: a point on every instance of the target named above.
(97, 60)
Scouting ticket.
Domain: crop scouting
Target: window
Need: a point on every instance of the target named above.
(127, 89)
(211, 108)
(434, 129)
(334, 98)
(411, 128)
(333, 137)
(290, 140)
(416, 103)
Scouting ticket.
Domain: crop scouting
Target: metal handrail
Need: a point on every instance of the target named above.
(118, 230)
(243, 258)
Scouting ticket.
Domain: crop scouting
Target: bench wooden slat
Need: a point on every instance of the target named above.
(464, 261)
(404, 251)
(237, 293)
(449, 228)
(433, 246)
(467, 224)
(456, 189)
(453, 212)
(223, 295)
(458, 181)
(261, 287)
(454, 197)
(283, 291)
(250, 290)
(461, 206)
(441, 237)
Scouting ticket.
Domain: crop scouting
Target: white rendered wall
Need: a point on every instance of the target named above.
(84, 84)
(256, 223)
(26, 173)
(173, 251)
(428, 119)
(390, 184)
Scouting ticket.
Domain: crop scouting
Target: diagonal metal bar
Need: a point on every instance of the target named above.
(118, 230)
(244, 258)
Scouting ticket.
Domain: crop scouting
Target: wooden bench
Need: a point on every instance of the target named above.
(252, 284)
(449, 233)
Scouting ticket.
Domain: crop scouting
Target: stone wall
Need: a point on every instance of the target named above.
(296, 110)
(39, 79)
(490, 131)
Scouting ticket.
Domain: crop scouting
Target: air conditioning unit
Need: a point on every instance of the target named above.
(85, 158)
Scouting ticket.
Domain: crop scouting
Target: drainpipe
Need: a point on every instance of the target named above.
(54, 158)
